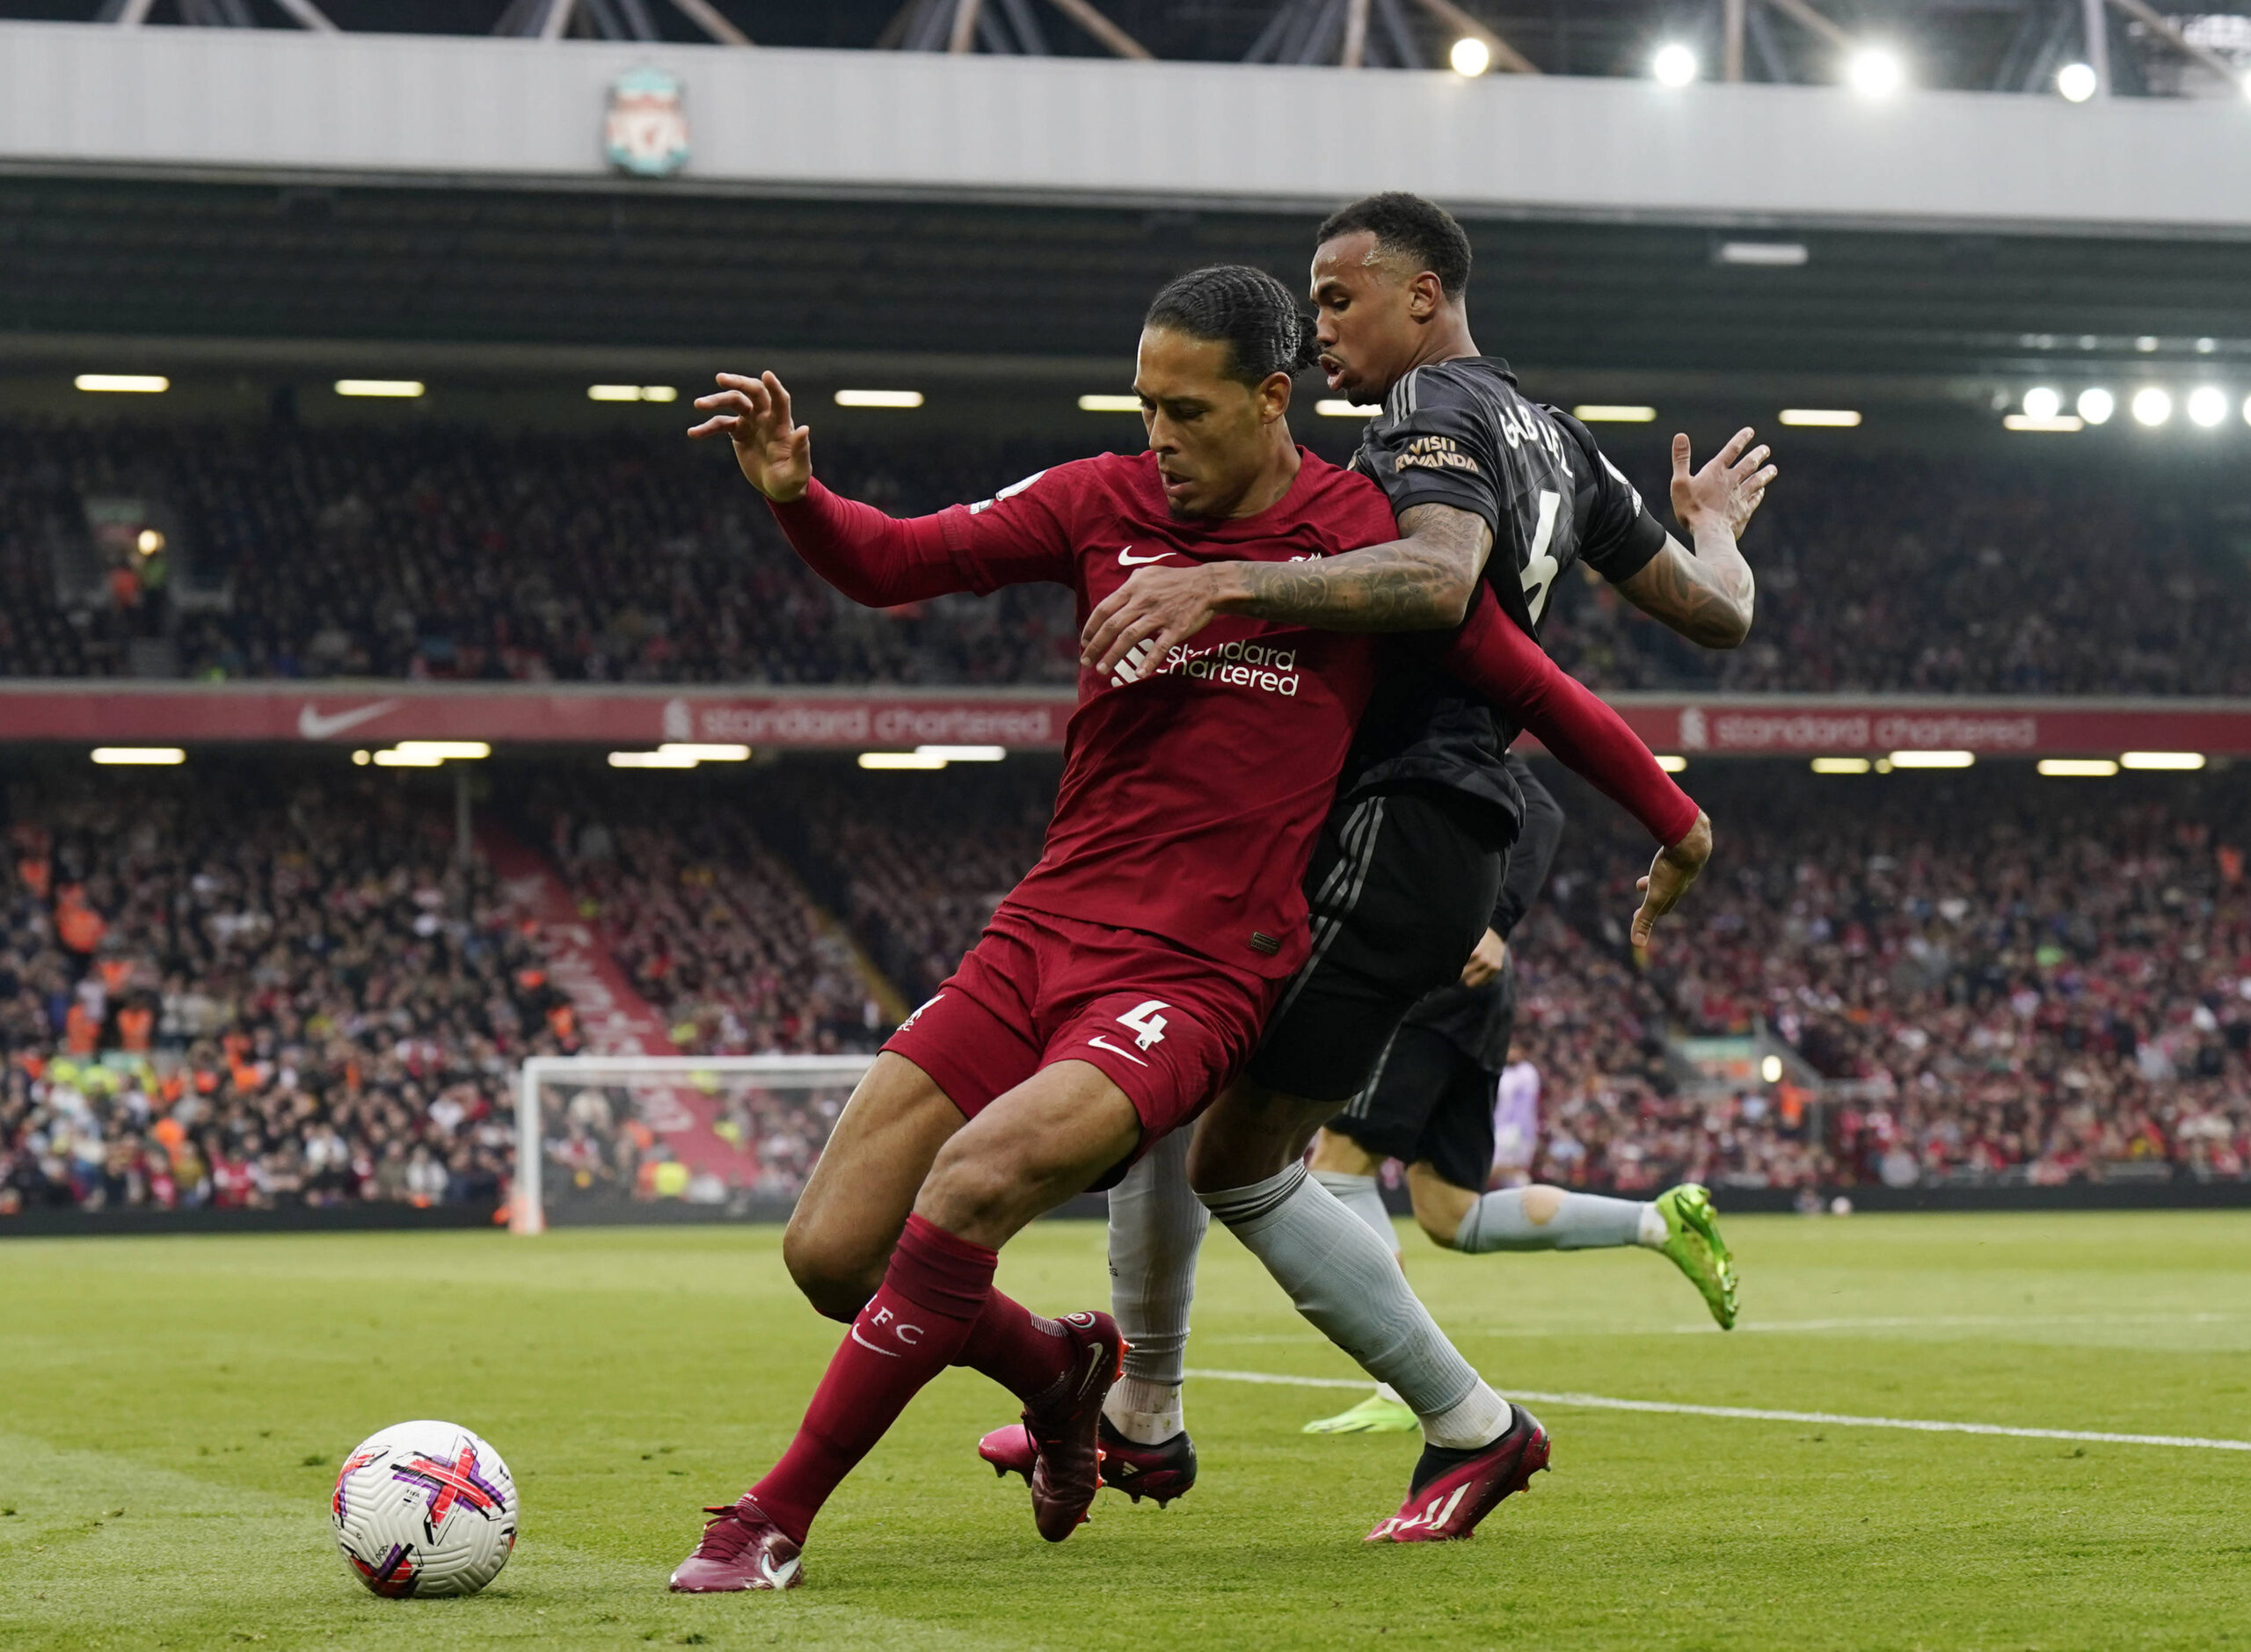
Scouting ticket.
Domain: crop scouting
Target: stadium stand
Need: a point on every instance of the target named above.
(439, 553)
(436, 553)
(264, 992)
(2002, 980)
(269, 990)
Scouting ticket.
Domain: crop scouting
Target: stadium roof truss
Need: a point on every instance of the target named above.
(2132, 47)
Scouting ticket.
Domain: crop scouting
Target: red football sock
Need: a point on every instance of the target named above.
(1025, 1354)
(913, 1328)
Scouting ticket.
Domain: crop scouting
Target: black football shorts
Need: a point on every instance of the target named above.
(1427, 1100)
(1402, 884)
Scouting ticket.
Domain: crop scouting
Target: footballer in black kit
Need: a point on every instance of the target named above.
(1413, 859)
(1430, 1098)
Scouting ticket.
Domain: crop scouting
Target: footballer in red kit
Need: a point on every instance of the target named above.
(1125, 981)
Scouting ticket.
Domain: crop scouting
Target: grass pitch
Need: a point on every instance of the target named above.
(173, 1412)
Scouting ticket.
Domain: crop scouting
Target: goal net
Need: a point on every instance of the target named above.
(625, 1137)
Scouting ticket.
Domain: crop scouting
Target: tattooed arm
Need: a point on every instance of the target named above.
(1707, 595)
(1421, 581)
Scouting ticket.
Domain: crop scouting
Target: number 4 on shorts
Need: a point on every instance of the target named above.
(1147, 1025)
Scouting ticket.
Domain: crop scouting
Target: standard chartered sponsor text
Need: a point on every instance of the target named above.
(1241, 664)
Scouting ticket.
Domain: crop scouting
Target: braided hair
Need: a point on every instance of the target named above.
(1247, 310)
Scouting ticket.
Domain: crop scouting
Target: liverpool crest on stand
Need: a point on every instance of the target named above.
(646, 132)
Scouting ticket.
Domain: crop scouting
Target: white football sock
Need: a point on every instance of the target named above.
(1156, 1227)
(1361, 1196)
(1579, 1221)
(1345, 1281)
(1147, 1413)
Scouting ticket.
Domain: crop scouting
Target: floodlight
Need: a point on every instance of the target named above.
(722, 752)
(1613, 413)
(1774, 255)
(2207, 405)
(1675, 65)
(1875, 72)
(399, 389)
(2097, 405)
(1840, 765)
(2152, 406)
(637, 760)
(900, 760)
(130, 383)
(879, 398)
(2147, 760)
(1672, 764)
(963, 753)
(1470, 57)
(1337, 407)
(2077, 768)
(1770, 1069)
(1933, 759)
(157, 756)
(2041, 402)
(2077, 81)
(1107, 403)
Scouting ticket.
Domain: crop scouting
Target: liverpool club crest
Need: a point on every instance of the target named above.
(646, 133)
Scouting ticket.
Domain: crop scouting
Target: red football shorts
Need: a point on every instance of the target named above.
(1169, 1027)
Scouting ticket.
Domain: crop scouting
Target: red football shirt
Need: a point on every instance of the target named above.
(1191, 793)
(1190, 798)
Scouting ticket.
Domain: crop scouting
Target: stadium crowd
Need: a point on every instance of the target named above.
(424, 551)
(283, 990)
(1998, 986)
(270, 990)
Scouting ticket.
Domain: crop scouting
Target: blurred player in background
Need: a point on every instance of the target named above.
(1123, 982)
(1434, 1104)
(1412, 860)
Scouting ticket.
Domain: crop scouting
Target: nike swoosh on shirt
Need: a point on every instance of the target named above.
(313, 726)
(1127, 559)
(1114, 1049)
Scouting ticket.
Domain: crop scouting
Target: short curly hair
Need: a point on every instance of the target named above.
(1249, 311)
(1408, 226)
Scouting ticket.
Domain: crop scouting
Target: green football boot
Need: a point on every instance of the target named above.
(1378, 1414)
(1691, 1239)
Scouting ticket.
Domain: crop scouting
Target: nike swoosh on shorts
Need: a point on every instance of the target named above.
(1114, 1049)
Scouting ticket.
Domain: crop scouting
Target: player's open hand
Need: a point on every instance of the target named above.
(1730, 488)
(1670, 876)
(1136, 625)
(776, 455)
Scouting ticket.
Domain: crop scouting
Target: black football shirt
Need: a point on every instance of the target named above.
(1461, 433)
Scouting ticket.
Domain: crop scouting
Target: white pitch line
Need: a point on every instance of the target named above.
(1603, 1402)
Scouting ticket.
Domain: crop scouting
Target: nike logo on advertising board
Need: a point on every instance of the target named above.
(312, 726)
(1114, 1049)
(1127, 559)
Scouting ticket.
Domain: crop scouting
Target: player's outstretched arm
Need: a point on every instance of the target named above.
(1421, 581)
(878, 560)
(1493, 657)
(1707, 595)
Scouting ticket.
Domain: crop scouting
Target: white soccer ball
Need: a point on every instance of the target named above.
(425, 1508)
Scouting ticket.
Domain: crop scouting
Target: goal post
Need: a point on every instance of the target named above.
(627, 1131)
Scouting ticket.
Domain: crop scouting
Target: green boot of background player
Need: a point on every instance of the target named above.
(1382, 1412)
(1691, 1239)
